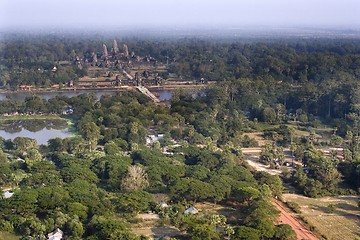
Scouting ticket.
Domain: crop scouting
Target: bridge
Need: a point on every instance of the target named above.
(149, 94)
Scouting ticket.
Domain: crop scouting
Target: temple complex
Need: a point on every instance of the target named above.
(117, 68)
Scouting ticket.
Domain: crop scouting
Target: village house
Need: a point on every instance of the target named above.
(56, 235)
(191, 210)
(163, 204)
(153, 138)
(8, 194)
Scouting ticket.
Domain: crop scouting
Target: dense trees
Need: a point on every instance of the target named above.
(92, 193)
(319, 176)
(93, 184)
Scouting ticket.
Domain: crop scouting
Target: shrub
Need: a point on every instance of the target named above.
(294, 207)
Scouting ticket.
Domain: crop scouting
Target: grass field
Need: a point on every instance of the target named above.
(156, 232)
(258, 136)
(8, 236)
(341, 223)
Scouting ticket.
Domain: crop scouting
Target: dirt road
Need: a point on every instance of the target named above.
(254, 162)
(287, 218)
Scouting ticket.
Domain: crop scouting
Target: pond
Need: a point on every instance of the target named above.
(39, 129)
(44, 129)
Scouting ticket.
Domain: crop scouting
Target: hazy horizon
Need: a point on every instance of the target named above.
(168, 14)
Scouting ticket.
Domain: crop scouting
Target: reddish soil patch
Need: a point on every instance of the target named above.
(287, 218)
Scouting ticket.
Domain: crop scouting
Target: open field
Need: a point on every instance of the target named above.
(8, 236)
(343, 223)
(209, 208)
(258, 136)
(157, 232)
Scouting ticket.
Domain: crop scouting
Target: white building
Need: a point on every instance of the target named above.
(191, 210)
(56, 235)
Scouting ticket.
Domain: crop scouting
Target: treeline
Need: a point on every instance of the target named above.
(293, 60)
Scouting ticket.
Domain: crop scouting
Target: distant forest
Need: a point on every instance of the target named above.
(290, 60)
(318, 77)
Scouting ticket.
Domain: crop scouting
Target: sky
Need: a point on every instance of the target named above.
(87, 14)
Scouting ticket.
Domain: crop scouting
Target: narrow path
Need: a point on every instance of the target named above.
(287, 218)
(146, 91)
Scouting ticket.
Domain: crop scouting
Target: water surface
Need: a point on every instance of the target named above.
(39, 129)
(20, 96)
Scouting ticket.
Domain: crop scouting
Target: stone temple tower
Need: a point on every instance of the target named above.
(126, 50)
(115, 47)
(94, 58)
(105, 51)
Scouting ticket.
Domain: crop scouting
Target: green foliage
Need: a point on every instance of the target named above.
(247, 194)
(24, 202)
(133, 202)
(284, 232)
(6, 226)
(91, 133)
(75, 227)
(203, 231)
(50, 198)
(109, 228)
(111, 148)
(76, 170)
(23, 144)
(78, 209)
(246, 233)
(89, 195)
(321, 176)
(273, 181)
(261, 216)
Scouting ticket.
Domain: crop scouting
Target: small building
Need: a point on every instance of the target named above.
(8, 194)
(191, 210)
(56, 235)
(68, 111)
(153, 138)
(163, 204)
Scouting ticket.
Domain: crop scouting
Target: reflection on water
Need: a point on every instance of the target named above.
(40, 129)
(20, 96)
(163, 95)
(43, 130)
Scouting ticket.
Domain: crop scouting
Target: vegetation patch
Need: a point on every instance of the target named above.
(341, 223)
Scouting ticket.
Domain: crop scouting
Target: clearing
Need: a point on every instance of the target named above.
(8, 236)
(254, 162)
(157, 232)
(341, 223)
(258, 136)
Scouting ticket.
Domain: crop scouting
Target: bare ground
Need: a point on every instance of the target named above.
(286, 218)
(157, 232)
(254, 162)
(343, 223)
